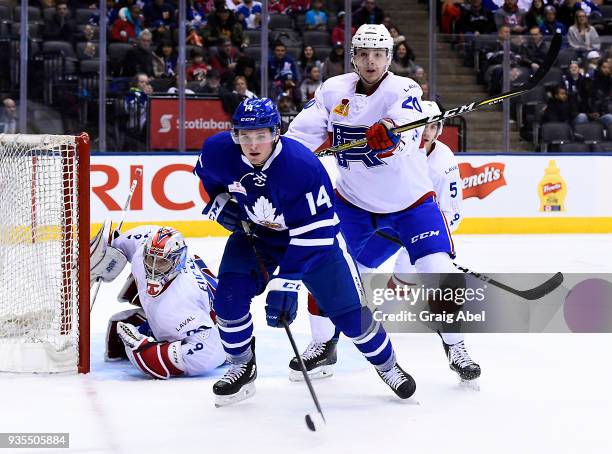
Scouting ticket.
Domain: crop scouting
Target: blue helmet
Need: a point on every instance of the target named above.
(255, 114)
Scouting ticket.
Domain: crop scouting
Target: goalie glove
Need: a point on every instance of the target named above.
(381, 139)
(160, 360)
(105, 261)
(225, 211)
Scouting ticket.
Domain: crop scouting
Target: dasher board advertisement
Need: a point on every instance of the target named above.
(546, 193)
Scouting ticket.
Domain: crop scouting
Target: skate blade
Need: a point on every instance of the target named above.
(314, 374)
(469, 385)
(245, 392)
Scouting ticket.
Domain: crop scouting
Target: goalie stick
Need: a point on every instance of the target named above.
(137, 175)
(529, 294)
(534, 80)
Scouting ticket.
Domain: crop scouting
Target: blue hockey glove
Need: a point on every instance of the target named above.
(281, 301)
(225, 211)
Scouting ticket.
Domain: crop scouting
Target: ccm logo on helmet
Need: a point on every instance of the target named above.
(424, 235)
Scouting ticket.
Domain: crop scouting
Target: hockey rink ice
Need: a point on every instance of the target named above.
(539, 393)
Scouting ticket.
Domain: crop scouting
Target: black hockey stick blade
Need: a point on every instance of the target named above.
(535, 79)
(529, 294)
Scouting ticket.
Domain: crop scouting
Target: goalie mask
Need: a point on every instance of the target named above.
(164, 256)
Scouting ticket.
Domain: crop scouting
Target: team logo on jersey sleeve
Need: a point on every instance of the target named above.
(264, 213)
(342, 109)
(364, 154)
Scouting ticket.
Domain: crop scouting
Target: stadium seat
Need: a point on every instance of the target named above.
(552, 78)
(116, 51)
(294, 51)
(602, 147)
(82, 15)
(300, 20)
(606, 11)
(33, 29)
(253, 52)
(554, 133)
(59, 46)
(5, 13)
(279, 21)
(591, 132)
(566, 56)
(322, 52)
(316, 38)
(90, 66)
(254, 37)
(609, 132)
(33, 13)
(574, 147)
(47, 13)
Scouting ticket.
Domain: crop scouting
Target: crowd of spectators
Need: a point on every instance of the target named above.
(142, 49)
(578, 89)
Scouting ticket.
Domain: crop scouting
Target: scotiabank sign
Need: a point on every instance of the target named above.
(203, 118)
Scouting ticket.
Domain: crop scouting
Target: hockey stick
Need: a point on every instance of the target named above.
(137, 174)
(313, 421)
(533, 81)
(530, 294)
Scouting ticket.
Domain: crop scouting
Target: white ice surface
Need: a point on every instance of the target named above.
(540, 393)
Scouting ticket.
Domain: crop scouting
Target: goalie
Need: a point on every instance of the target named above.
(172, 333)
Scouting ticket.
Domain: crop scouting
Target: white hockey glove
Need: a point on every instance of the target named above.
(105, 262)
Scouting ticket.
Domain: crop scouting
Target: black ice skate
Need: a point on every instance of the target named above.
(238, 383)
(319, 359)
(399, 381)
(459, 361)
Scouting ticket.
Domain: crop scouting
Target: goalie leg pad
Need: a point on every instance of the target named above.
(158, 359)
(115, 349)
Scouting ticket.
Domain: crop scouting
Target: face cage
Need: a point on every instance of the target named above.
(275, 130)
(162, 269)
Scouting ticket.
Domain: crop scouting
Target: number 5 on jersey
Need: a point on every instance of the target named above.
(322, 199)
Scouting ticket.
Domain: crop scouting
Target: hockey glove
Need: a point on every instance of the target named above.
(281, 301)
(225, 211)
(381, 139)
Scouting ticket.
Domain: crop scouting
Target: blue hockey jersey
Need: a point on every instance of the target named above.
(290, 197)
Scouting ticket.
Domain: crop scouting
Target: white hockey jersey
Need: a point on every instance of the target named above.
(182, 310)
(444, 174)
(366, 180)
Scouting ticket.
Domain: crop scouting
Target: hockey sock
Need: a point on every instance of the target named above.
(368, 336)
(236, 338)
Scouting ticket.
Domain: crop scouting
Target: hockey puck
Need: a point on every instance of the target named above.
(314, 421)
(588, 307)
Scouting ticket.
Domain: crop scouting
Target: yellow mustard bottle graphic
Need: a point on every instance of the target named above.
(552, 189)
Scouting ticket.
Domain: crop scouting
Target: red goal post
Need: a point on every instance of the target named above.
(44, 253)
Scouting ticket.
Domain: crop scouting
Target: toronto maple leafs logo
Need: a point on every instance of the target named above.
(264, 214)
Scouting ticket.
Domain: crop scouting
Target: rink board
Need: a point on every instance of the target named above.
(501, 192)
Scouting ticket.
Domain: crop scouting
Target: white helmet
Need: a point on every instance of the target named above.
(373, 36)
(164, 256)
(430, 109)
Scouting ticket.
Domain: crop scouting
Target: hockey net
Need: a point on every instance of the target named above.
(44, 253)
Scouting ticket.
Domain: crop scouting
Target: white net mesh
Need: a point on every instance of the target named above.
(39, 253)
